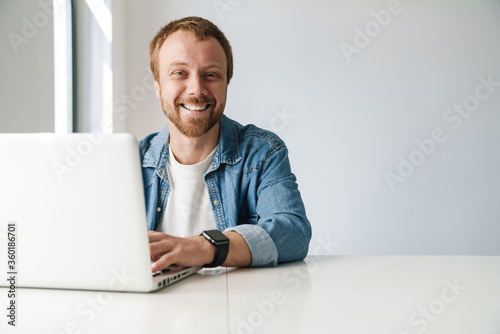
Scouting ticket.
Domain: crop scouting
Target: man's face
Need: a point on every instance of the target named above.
(192, 83)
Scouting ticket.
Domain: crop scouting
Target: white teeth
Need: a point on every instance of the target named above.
(195, 107)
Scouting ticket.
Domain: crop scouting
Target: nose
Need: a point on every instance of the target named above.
(195, 86)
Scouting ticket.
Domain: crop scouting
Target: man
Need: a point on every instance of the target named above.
(206, 172)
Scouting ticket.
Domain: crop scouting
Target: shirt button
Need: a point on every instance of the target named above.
(216, 202)
(161, 171)
(158, 209)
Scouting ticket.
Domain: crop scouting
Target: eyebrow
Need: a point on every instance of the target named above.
(180, 63)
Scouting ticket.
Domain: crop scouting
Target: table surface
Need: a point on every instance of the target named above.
(325, 294)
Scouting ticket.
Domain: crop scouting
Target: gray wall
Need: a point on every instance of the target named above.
(26, 67)
(385, 163)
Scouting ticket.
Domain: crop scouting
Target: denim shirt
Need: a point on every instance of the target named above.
(251, 188)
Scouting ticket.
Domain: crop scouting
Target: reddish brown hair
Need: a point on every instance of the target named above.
(201, 28)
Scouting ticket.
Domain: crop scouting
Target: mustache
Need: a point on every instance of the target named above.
(195, 100)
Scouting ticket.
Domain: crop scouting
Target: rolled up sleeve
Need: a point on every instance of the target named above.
(262, 247)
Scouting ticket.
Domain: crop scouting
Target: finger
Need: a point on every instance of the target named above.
(156, 236)
(160, 247)
(163, 262)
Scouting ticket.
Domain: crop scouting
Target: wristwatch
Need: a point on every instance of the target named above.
(221, 243)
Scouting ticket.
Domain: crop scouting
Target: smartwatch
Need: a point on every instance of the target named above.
(221, 243)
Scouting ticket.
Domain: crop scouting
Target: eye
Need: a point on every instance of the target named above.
(178, 73)
(212, 75)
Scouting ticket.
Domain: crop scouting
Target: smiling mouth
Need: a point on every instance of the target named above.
(195, 107)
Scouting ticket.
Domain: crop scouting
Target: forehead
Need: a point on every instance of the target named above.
(183, 47)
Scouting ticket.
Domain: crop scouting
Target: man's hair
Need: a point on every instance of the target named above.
(201, 28)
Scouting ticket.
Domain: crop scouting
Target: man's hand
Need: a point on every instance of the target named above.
(195, 251)
(185, 252)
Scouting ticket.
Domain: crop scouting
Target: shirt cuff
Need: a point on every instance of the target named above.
(262, 247)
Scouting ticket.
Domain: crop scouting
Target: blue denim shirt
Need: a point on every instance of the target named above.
(251, 188)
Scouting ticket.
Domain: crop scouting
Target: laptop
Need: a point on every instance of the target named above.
(74, 206)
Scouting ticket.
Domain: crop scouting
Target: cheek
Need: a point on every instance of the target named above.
(220, 93)
(170, 92)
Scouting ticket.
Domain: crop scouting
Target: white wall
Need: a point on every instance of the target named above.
(26, 67)
(347, 123)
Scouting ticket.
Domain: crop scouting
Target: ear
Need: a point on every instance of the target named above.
(157, 89)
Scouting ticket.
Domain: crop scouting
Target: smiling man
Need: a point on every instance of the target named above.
(217, 193)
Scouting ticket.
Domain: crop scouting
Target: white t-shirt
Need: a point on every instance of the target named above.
(189, 211)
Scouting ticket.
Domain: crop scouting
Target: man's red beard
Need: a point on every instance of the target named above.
(194, 126)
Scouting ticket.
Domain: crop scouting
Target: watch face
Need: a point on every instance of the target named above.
(217, 236)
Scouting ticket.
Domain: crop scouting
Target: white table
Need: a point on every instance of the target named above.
(324, 294)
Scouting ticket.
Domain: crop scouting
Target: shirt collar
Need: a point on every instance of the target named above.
(227, 150)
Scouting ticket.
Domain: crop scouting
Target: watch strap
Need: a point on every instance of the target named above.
(221, 249)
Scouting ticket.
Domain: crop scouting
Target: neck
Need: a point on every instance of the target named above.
(190, 151)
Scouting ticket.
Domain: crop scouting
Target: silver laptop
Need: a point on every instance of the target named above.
(74, 206)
